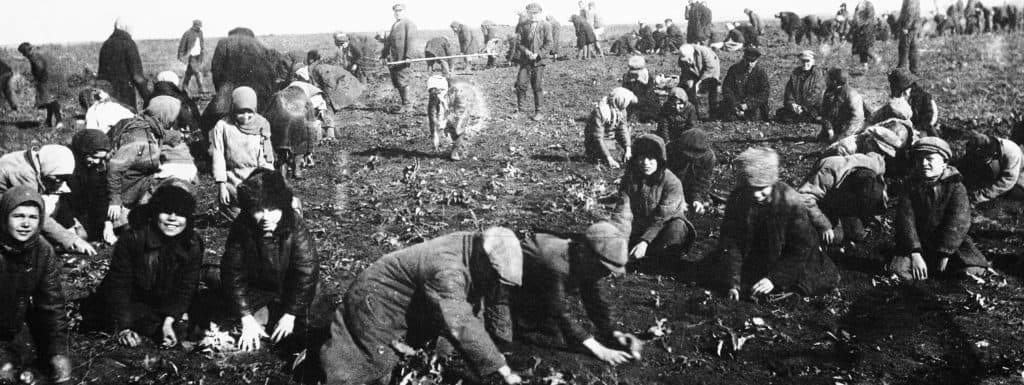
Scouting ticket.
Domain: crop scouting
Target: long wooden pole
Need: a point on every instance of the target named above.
(439, 58)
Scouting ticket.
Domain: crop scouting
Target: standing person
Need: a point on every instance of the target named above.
(767, 240)
(191, 50)
(30, 285)
(801, 101)
(692, 160)
(746, 91)
(698, 29)
(418, 294)
(467, 41)
(863, 31)
(239, 144)
(933, 218)
(609, 120)
(534, 42)
(909, 21)
(556, 35)
(652, 196)
(593, 18)
(700, 73)
(397, 48)
(49, 81)
(490, 31)
(7, 85)
(585, 37)
(121, 65)
(270, 267)
(755, 21)
(842, 108)
(843, 21)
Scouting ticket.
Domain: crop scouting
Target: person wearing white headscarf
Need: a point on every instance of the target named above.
(609, 120)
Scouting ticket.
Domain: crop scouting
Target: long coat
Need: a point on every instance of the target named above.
(121, 65)
(934, 218)
(805, 88)
(241, 60)
(776, 241)
(399, 44)
(414, 295)
(744, 85)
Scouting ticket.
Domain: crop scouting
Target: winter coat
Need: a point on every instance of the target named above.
(745, 85)
(5, 69)
(236, 154)
(830, 173)
(926, 112)
(989, 176)
(706, 65)
(805, 88)
(188, 117)
(241, 60)
(134, 157)
(910, 15)
(673, 38)
(843, 109)
(755, 21)
(698, 26)
(121, 65)
(584, 32)
(284, 265)
(31, 292)
(651, 201)
(185, 45)
(148, 268)
(598, 130)
(414, 295)
(532, 40)
(775, 241)
(694, 172)
(88, 197)
(548, 279)
(50, 76)
(439, 47)
(399, 44)
(467, 41)
(21, 168)
(671, 122)
(934, 217)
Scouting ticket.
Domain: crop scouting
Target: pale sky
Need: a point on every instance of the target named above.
(64, 21)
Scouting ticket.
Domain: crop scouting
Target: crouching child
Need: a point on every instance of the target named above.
(456, 109)
(609, 120)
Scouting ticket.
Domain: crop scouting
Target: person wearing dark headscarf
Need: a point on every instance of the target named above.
(121, 65)
(270, 267)
(652, 198)
(692, 160)
(49, 82)
(154, 271)
(89, 195)
(30, 287)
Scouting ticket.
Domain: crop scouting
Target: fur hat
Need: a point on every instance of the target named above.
(164, 108)
(932, 145)
(243, 98)
(264, 189)
(505, 254)
(758, 167)
(650, 145)
(170, 198)
(609, 245)
(899, 80)
(694, 143)
(89, 141)
(636, 62)
(55, 159)
(168, 76)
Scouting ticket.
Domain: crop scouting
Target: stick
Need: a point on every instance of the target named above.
(439, 58)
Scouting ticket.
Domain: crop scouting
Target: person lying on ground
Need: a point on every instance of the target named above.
(676, 116)
(692, 160)
(609, 119)
(31, 282)
(767, 240)
(991, 167)
(802, 98)
(652, 199)
(933, 218)
(418, 294)
(842, 108)
(239, 144)
(154, 272)
(746, 89)
(270, 267)
(700, 70)
(46, 170)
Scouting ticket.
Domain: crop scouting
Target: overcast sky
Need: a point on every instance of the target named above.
(67, 21)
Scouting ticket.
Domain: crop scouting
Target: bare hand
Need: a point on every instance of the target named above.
(114, 212)
(639, 251)
(829, 236)
(285, 327)
(83, 247)
(743, 106)
(225, 196)
(170, 339)
(612, 356)
(513, 379)
(128, 338)
(943, 263)
(734, 294)
(699, 207)
(764, 286)
(251, 334)
(918, 268)
(613, 163)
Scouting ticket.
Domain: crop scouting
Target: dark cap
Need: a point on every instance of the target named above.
(752, 52)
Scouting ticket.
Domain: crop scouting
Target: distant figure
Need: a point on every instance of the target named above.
(842, 108)
(439, 47)
(626, 44)
(660, 36)
(167, 85)
(790, 24)
(121, 65)
(467, 41)
(646, 33)
(101, 111)
(398, 48)
(49, 83)
(755, 21)
(534, 42)
(925, 112)
(862, 33)
(456, 109)
(673, 37)
(609, 121)
(585, 38)
(746, 90)
(593, 17)
(843, 21)
(490, 31)
(700, 72)
(698, 29)
(348, 55)
(556, 34)
(908, 23)
(191, 50)
(7, 85)
(808, 29)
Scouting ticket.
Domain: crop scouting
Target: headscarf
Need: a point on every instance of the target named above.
(122, 24)
(55, 159)
(612, 108)
(168, 76)
(165, 109)
(11, 199)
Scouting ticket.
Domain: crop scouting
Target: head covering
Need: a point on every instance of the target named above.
(807, 55)
(694, 143)
(504, 254)
(55, 159)
(899, 80)
(340, 37)
(900, 109)
(168, 76)
(11, 199)
(264, 189)
(609, 245)
(679, 94)
(398, 7)
(752, 52)
(652, 146)
(88, 142)
(24, 48)
(932, 145)
(636, 62)
(686, 51)
(243, 98)
(455, 25)
(885, 139)
(757, 167)
(730, 26)
(621, 98)
(746, 10)
(164, 109)
(303, 73)
(612, 108)
(533, 8)
(437, 81)
(168, 199)
(838, 77)
(121, 23)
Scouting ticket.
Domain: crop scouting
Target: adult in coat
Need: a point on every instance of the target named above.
(121, 65)
(188, 117)
(88, 184)
(191, 51)
(7, 85)
(30, 285)
(863, 33)
(992, 168)
(790, 24)
(417, 294)
(767, 240)
(50, 81)
(908, 23)
(700, 72)
(674, 37)
(746, 91)
(801, 100)
(585, 37)
(240, 60)
(398, 47)
(755, 21)
(698, 27)
(534, 43)
(467, 41)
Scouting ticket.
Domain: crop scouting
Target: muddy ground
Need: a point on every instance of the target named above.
(381, 187)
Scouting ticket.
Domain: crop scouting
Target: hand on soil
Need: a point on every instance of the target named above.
(170, 338)
(82, 246)
(698, 207)
(918, 267)
(764, 286)
(639, 251)
(251, 334)
(734, 294)
(128, 338)
(284, 328)
(225, 197)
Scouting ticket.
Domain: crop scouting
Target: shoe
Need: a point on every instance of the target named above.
(537, 117)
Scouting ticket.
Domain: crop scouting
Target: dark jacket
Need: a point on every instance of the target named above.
(775, 241)
(5, 69)
(790, 23)
(241, 60)
(698, 26)
(533, 41)
(438, 47)
(31, 291)
(651, 201)
(923, 105)
(189, 115)
(121, 65)
(671, 122)
(934, 218)
(399, 45)
(805, 88)
(584, 32)
(148, 268)
(284, 265)
(50, 77)
(693, 171)
(910, 15)
(185, 44)
(467, 42)
(548, 278)
(673, 38)
(134, 156)
(749, 35)
(755, 21)
(745, 85)
(89, 196)
(843, 109)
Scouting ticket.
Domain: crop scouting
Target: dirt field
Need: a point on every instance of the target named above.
(382, 187)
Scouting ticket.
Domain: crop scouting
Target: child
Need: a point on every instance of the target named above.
(239, 144)
(609, 119)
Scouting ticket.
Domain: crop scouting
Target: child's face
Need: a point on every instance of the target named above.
(244, 116)
(930, 165)
(23, 222)
(171, 224)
